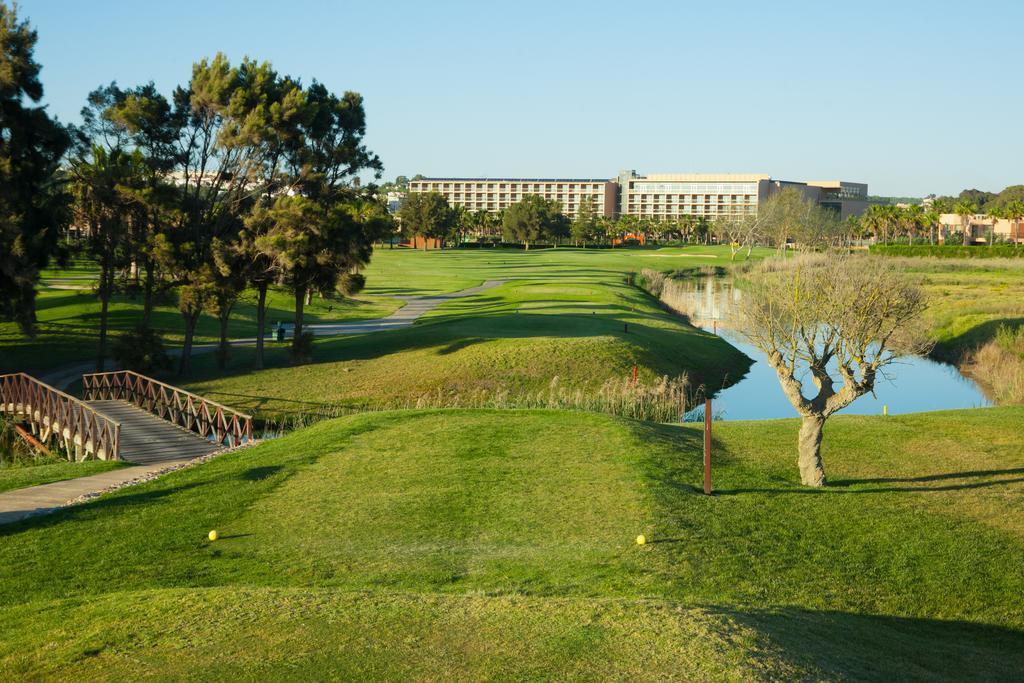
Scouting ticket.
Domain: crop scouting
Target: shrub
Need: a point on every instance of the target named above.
(1011, 339)
(653, 281)
(141, 350)
(351, 284)
(998, 365)
(8, 442)
(302, 349)
(949, 250)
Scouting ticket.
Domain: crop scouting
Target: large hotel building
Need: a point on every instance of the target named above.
(661, 196)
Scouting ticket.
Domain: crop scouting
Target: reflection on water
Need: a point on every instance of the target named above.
(910, 385)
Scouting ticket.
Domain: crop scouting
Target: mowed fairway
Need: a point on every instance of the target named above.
(561, 313)
(473, 544)
(68, 328)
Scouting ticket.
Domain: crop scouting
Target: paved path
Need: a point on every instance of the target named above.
(415, 308)
(150, 443)
(157, 445)
(21, 503)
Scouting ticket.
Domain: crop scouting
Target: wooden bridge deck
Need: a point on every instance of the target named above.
(147, 439)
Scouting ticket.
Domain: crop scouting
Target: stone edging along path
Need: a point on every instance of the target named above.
(39, 500)
(21, 503)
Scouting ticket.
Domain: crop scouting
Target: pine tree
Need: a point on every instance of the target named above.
(33, 205)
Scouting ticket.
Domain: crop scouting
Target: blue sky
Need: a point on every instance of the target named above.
(910, 97)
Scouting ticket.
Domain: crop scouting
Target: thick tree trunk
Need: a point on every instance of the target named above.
(300, 298)
(106, 283)
(223, 348)
(812, 471)
(261, 323)
(147, 298)
(185, 362)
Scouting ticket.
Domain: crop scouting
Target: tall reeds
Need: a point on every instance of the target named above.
(666, 399)
(999, 365)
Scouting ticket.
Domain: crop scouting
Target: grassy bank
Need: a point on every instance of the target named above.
(969, 302)
(477, 544)
(563, 315)
(26, 474)
(68, 310)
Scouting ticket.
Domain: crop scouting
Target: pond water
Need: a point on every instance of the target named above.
(911, 385)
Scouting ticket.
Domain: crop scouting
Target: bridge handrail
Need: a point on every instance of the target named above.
(178, 406)
(79, 423)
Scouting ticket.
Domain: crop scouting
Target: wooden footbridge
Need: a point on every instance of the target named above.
(124, 416)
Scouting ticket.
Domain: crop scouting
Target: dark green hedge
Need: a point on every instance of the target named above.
(949, 250)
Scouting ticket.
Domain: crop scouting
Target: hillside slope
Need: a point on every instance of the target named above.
(500, 543)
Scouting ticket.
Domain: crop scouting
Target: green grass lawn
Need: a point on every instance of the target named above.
(969, 300)
(500, 544)
(22, 475)
(69, 319)
(562, 313)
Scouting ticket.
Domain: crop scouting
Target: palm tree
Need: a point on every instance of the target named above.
(461, 223)
(1014, 212)
(483, 221)
(100, 180)
(941, 205)
(880, 219)
(966, 210)
(930, 220)
(995, 213)
(912, 218)
(871, 221)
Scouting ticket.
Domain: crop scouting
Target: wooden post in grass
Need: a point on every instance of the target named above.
(707, 446)
(634, 375)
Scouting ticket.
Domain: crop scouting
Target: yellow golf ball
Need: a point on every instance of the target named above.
(641, 539)
(213, 535)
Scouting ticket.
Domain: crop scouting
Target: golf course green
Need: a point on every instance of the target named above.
(480, 544)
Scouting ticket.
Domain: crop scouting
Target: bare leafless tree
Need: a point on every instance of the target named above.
(842, 319)
(732, 230)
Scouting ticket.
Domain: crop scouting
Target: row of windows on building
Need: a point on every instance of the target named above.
(695, 188)
(850, 193)
(457, 196)
(696, 198)
(522, 187)
(693, 209)
(571, 206)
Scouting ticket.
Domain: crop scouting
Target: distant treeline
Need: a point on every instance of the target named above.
(987, 201)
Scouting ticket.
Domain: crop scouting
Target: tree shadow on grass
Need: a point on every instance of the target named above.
(928, 477)
(459, 344)
(842, 645)
(260, 473)
(93, 507)
(989, 479)
(675, 457)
